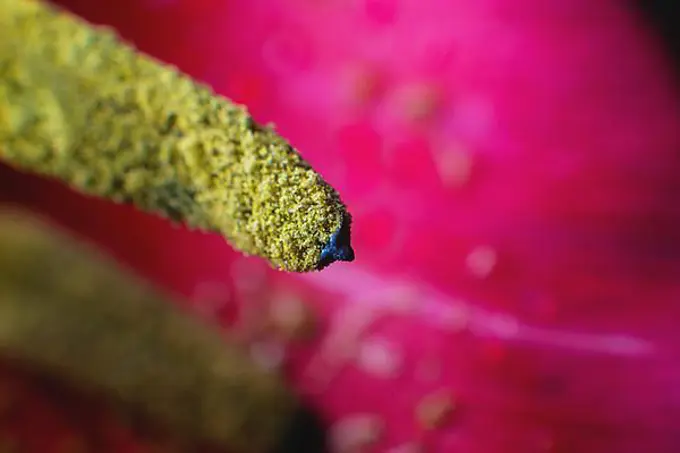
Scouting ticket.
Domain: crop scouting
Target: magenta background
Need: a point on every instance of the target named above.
(568, 116)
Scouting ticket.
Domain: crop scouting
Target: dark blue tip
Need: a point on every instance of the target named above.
(339, 247)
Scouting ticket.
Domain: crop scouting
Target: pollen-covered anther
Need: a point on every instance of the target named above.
(84, 107)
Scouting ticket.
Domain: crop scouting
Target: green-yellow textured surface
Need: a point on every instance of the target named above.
(78, 105)
(68, 311)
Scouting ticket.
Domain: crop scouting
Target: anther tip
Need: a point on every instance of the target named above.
(339, 247)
